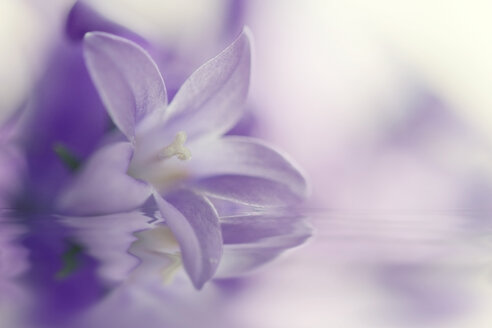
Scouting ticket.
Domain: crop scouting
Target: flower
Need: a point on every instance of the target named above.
(175, 58)
(62, 111)
(177, 154)
(173, 53)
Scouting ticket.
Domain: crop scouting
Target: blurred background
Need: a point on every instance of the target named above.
(385, 104)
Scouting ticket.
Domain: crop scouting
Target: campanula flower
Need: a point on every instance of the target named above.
(177, 153)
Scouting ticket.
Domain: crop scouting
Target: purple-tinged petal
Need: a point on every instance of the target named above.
(247, 190)
(126, 78)
(103, 187)
(195, 225)
(243, 156)
(263, 229)
(227, 208)
(212, 99)
(253, 240)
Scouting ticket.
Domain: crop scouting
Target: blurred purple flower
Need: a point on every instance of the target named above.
(64, 111)
(157, 158)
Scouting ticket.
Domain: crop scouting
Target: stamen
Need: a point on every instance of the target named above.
(176, 148)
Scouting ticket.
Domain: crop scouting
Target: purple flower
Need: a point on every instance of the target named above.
(63, 110)
(177, 153)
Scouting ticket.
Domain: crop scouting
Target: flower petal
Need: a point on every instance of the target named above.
(247, 190)
(195, 225)
(126, 78)
(103, 187)
(211, 100)
(262, 229)
(249, 157)
(253, 240)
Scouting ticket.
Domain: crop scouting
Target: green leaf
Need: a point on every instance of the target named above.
(67, 157)
(71, 260)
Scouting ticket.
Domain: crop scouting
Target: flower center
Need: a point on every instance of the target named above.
(176, 148)
(160, 169)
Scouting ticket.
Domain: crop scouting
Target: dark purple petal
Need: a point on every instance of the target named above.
(247, 190)
(212, 99)
(103, 187)
(63, 109)
(251, 158)
(82, 18)
(253, 240)
(195, 225)
(126, 78)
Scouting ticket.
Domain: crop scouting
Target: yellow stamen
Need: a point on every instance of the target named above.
(176, 148)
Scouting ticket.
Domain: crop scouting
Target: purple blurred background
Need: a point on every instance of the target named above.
(386, 106)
